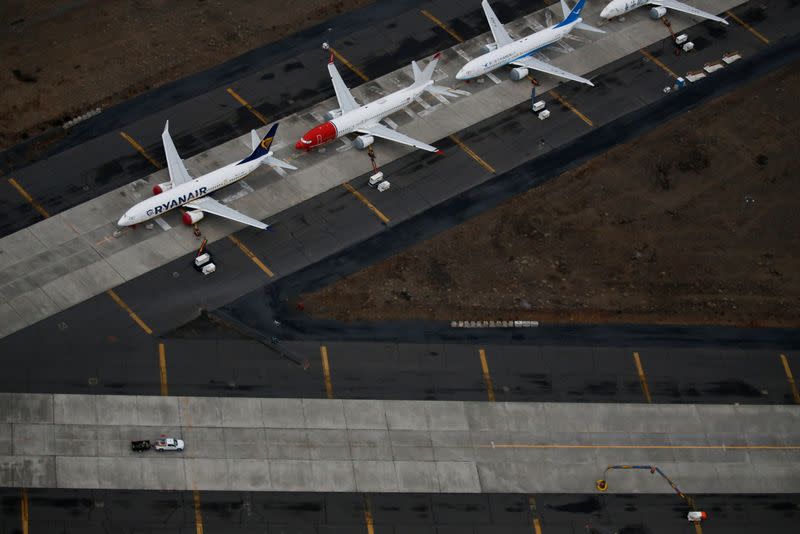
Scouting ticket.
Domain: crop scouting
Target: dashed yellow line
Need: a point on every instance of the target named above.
(658, 63)
(442, 25)
(349, 65)
(368, 516)
(198, 513)
(749, 28)
(140, 149)
(384, 219)
(572, 108)
(121, 303)
(471, 153)
(25, 512)
(790, 379)
(487, 378)
(642, 377)
(247, 105)
(249, 253)
(326, 371)
(21, 190)
(697, 528)
(162, 365)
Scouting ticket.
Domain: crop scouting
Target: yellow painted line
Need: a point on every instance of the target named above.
(472, 154)
(326, 371)
(749, 28)
(659, 63)
(642, 377)
(198, 514)
(644, 447)
(253, 257)
(21, 190)
(698, 529)
(162, 365)
(790, 378)
(442, 25)
(384, 219)
(349, 65)
(368, 516)
(572, 108)
(25, 511)
(136, 318)
(247, 105)
(537, 526)
(487, 378)
(140, 149)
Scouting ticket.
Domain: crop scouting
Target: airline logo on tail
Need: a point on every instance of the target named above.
(263, 147)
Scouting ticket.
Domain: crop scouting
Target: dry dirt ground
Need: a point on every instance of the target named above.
(61, 59)
(697, 222)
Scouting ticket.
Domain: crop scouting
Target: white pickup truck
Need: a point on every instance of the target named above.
(169, 444)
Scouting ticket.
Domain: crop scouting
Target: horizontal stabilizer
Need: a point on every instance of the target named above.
(586, 27)
(272, 161)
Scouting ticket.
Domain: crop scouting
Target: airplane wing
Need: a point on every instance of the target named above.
(499, 32)
(384, 132)
(679, 6)
(535, 64)
(346, 100)
(177, 170)
(209, 205)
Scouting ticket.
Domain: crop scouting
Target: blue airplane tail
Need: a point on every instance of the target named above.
(571, 15)
(261, 148)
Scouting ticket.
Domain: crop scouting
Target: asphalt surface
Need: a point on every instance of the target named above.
(95, 347)
(277, 79)
(233, 512)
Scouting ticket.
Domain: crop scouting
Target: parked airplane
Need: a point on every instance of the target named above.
(519, 53)
(365, 120)
(619, 7)
(184, 191)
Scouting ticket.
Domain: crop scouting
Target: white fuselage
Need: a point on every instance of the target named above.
(184, 193)
(615, 8)
(373, 112)
(503, 55)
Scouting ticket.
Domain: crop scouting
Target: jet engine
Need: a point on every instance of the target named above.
(518, 73)
(363, 141)
(160, 188)
(332, 114)
(192, 217)
(488, 47)
(658, 12)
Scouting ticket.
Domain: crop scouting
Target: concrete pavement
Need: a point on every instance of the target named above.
(245, 444)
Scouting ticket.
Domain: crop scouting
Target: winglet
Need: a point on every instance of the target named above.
(437, 55)
(330, 59)
(440, 152)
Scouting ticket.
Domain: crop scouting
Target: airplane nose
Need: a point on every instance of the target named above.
(122, 221)
(605, 12)
(461, 75)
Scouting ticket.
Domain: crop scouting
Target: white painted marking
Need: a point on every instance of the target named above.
(390, 123)
(163, 224)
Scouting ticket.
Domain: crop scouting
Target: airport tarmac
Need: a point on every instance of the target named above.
(374, 446)
(102, 511)
(75, 254)
(117, 351)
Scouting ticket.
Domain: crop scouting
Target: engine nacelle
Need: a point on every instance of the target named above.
(192, 217)
(363, 141)
(518, 73)
(160, 188)
(658, 12)
(332, 114)
(488, 47)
